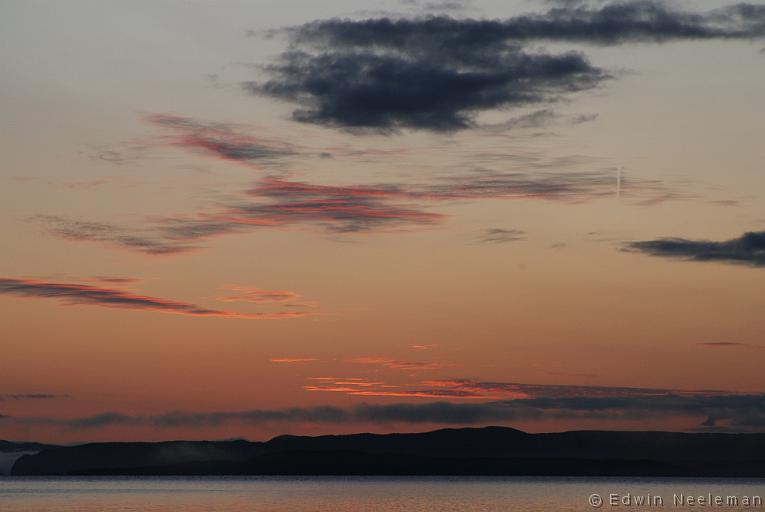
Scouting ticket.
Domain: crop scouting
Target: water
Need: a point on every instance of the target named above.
(358, 494)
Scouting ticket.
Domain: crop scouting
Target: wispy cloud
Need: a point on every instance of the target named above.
(65, 184)
(501, 236)
(257, 295)
(293, 360)
(728, 344)
(115, 279)
(275, 203)
(728, 411)
(748, 249)
(147, 240)
(337, 208)
(471, 389)
(28, 396)
(609, 23)
(537, 119)
(480, 184)
(431, 6)
(396, 364)
(227, 141)
(82, 294)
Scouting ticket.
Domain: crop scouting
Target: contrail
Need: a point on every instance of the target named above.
(619, 182)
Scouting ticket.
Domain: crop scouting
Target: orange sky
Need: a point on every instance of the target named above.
(176, 246)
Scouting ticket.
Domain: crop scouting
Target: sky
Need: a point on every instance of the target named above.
(238, 219)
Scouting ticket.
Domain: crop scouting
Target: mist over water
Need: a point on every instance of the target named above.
(7, 459)
(351, 494)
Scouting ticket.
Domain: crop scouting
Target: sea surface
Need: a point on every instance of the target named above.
(367, 494)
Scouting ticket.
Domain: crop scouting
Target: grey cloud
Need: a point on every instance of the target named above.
(501, 236)
(74, 293)
(27, 396)
(728, 344)
(165, 236)
(277, 203)
(371, 90)
(536, 119)
(583, 118)
(116, 279)
(136, 240)
(326, 414)
(609, 23)
(439, 5)
(748, 249)
(222, 140)
(728, 411)
(737, 412)
(440, 73)
(467, 388)
(539, 119)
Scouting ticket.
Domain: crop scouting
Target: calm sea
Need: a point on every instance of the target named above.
(368, 494)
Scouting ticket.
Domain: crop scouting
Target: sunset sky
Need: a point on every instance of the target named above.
(243, 218)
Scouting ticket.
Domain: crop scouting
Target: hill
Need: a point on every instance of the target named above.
(469, 451)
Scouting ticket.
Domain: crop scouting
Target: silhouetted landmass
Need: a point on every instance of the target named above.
(10, 452)
(482, 451)
(9, 446)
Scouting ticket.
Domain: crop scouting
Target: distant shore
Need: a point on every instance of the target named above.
(469, 451)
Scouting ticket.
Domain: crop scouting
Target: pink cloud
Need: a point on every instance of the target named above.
(396, 364)
(226, 141)
(459, 389)
(258, 295)
(293, 360)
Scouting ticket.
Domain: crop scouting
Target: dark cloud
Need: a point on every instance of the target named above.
(387, 91)
(608, 24)
(748, 249)
(73, 293)
(734, 412)
(439, 73)
(439, 5)
(727, 344)
(501, 236)
(507, 402)
(28, 396)
(471, 389)
(327, 414)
